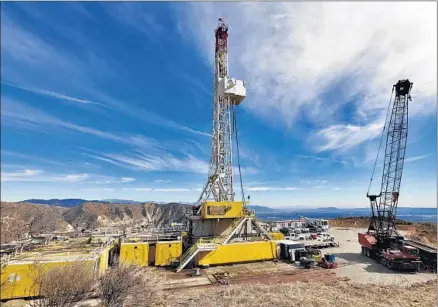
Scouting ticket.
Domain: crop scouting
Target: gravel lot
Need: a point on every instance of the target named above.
(361, 269)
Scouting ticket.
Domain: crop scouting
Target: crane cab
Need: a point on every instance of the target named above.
(403, 87)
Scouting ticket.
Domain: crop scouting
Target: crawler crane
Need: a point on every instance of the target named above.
(382, 241)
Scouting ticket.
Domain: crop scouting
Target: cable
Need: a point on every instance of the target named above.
(381, 139)
(238, 153)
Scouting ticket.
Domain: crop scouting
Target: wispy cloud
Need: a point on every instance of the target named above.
(36, 175)
(162, 181)
(416, 158)
(30, 158)
(303, 68)
(170, 190)
(136, 15)
(162, 162)
(328, 159)
(99, 189)
(127, 179)
(198, 84)
(272, 189)
(17, 112)
(344, 137)
(39, 175)
(54, 94)
(313, 181)
(29, 62)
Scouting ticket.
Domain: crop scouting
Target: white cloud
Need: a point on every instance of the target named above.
(416, 158)
(23, 173)
(170, 190)
(16, 112)
(55, 95)
(40, 176)
(97, 190)
(127, 179)
(343, 137)
(162, 162)
(162, 181)
(301, 61)
(271, 189)
(313, 181)
(30, 63)
(32, 175)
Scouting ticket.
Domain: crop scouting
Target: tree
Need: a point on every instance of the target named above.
(284, 231)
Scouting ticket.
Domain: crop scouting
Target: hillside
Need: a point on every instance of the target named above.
(93, 215)
(20, 219)
(69, 202)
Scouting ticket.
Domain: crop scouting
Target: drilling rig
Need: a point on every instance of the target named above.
(217, 220)
(382, 241)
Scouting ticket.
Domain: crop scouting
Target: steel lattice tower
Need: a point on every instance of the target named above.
(228, 93)
(384, 211)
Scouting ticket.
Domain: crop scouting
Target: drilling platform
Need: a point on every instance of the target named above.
(222, 229)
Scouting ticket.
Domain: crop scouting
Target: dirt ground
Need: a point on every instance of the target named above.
(358, 281)
(352, 266)
(423, 232)
(363, 270)
(311, 294)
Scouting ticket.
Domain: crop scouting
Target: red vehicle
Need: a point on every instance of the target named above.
(382, 241)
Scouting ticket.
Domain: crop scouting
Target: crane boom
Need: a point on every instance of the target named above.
(384, 210)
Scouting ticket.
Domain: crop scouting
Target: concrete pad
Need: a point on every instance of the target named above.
(187, 282)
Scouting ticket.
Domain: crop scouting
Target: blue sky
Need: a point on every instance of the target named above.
(114, 100)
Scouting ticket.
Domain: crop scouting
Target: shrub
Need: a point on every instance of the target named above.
(61, 286)
(129, 286)
(284, 231)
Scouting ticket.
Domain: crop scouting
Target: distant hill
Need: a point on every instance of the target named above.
(121, 201)
(328, 208)
(71, 202)
(260, 209)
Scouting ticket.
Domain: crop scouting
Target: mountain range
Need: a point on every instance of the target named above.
(72, 202)
(22, 218)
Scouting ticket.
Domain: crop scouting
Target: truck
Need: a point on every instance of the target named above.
(427, 253)
(317, 224)
(325, 237)
(397, 257)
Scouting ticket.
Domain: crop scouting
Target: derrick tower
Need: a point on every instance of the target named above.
(217, 219)
(228, 93)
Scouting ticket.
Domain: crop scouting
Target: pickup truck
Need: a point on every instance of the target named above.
(297, 236)
(324, 237)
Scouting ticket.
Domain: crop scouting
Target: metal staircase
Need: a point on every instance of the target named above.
(211, 244)
(199, 246)
(204, 244)
(230, 231)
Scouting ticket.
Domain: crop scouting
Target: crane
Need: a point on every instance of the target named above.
(382, 241)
